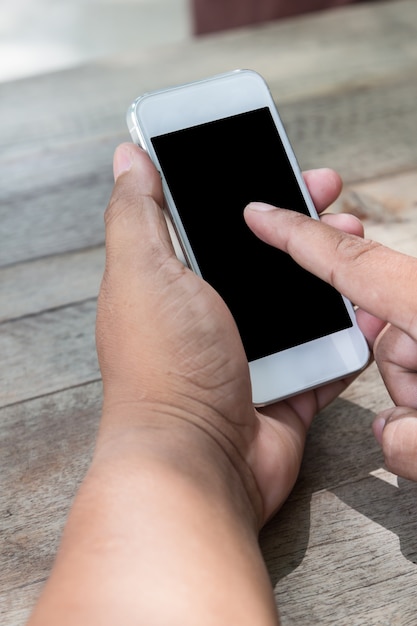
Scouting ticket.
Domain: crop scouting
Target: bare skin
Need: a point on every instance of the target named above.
(382, 282)
(185, 471)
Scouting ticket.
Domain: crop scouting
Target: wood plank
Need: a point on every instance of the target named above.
(45, 353)
(16, 606)
(45, 449)
(49, 283)
(364, 133)
(53, 202)
(387, 207)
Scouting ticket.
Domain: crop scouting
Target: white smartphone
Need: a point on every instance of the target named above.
(219, 144)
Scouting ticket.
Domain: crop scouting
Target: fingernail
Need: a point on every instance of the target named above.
(261, 206)
(122, 160)
(378, 428)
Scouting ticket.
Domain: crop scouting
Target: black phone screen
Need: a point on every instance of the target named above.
(213, 171)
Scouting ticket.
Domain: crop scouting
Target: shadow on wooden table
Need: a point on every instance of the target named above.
(342, 493)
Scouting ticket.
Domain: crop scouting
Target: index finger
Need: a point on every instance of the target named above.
(379, 280)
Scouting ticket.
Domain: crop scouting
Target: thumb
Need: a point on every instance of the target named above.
(396, 430)
(137, 247)
(136, 230)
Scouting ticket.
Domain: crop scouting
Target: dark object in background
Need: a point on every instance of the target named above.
(215, 15)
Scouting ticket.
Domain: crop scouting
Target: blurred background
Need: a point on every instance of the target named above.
(44, 35)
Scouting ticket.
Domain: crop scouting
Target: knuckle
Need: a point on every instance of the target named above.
(356, 249)
(352, 252)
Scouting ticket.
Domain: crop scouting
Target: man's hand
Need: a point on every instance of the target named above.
(382, 283)
(169, 347)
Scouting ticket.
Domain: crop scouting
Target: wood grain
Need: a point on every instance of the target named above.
(387, 208)
(348, 525)
(44, 353)
(45, 447)
(48, 283)
(343, 548)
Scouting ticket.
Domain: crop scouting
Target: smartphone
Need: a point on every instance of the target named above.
(219, 144)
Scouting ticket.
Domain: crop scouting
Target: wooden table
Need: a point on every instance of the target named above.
(344, 548)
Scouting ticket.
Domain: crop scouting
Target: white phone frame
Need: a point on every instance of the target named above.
(296, 369)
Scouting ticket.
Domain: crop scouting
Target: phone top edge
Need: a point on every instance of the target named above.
(192, 83)
(205, 92)
(131, 119)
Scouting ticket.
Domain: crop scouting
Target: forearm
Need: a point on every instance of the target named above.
(150, 542)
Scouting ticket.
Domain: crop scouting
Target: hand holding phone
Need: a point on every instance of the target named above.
(219, 144)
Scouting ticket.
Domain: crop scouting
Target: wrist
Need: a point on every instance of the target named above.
(193, 447)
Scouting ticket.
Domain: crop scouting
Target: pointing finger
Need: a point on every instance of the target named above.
(379, 280)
